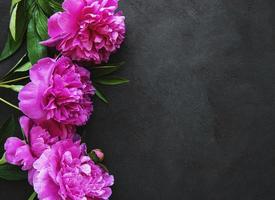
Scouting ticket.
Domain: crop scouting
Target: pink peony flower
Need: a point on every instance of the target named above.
(64, 172)
(38, 138)
(59, 90)
(87, 30)
(18, 153)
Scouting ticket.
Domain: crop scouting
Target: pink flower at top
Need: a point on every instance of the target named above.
(87, 30)
(59, 90)
(64, 172)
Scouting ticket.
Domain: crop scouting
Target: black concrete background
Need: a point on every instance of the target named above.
(197, 119)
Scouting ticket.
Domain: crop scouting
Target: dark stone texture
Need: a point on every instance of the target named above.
(197, 119)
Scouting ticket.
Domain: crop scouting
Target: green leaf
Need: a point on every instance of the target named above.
(104, 70)
(101, 96)
(18, 21)
(3, 160)
(32, 197)
(13, 22)
(41, 22)
(12, 173)
(35, 50)
(19, 63)
(44, 5)
(7, 130)
(56, 6)
(111, 80)
(10, 48)
(30, 6)
(12, 45)
(23, 68)
(13, 3)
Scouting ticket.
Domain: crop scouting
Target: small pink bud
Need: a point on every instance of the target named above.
(99, 154)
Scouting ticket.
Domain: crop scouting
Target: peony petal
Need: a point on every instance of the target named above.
(54, 29)
(59, 130)
(73, 6)
(39, 139)
(68, 23)
(11, 145)
(30, 101)
(30, 176)
(109, 4)
(44, 186)
(41, 72)
(52, 41)
(86, 169)
(26, 124)
(18, 153)
(24, 155)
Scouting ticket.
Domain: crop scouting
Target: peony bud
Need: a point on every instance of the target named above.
(97, 155)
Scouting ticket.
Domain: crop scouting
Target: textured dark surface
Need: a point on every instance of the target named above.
(197, 120)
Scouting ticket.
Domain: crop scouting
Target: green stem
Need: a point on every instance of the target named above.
(32, 196)
(8, 103)
(15, 80)
(3, 160)
(5, 86)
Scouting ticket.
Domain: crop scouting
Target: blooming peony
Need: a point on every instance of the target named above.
(87, 30)
(38, 138)
(59, 90)
(64, 172)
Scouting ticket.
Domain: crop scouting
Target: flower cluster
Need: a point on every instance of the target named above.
(58, 98)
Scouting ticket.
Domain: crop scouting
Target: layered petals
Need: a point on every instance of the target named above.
(18, 153)
(87, 30)
(65, 172)
(60, 91)
(38, 139)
